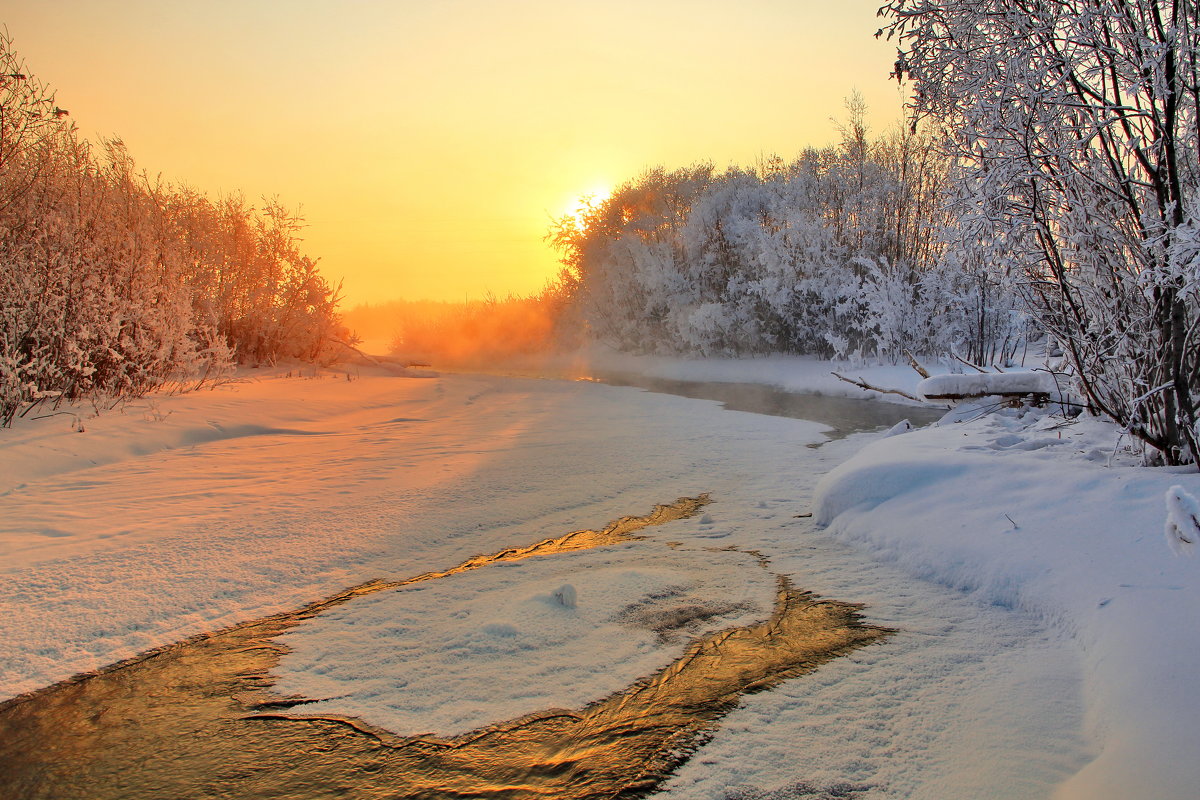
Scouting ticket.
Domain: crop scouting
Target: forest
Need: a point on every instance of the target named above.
(114, 283)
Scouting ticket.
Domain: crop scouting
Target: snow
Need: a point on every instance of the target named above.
(545, 644)
(987, 383)
(1016, 510)
(1183, 521)
(202, 510)
(1045, 632)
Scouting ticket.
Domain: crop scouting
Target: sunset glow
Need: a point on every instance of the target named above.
(429, 144)
(574, 398)
(581, 202)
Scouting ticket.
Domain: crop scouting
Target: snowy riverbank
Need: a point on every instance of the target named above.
(1028, 510)
(1046, 631)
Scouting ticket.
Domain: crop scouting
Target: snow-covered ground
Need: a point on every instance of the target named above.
(1025, 512)
(1047, 633)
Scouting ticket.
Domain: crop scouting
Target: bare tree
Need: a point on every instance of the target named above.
(29, 123)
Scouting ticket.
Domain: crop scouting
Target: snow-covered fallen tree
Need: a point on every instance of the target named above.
(986, 384)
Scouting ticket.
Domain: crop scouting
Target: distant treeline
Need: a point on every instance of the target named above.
(113, 284)
(836, 253)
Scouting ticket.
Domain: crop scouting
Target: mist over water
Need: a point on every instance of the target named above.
(846, 415)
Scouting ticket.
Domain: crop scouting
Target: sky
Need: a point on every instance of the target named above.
(430, 144)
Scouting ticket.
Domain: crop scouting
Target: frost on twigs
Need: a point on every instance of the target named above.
(1183, 521)
(1072, 130)
(114, 284)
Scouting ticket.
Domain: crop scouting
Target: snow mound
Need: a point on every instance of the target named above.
(864, 486)
(1183, 521)
(1015, 509)
(565, 596)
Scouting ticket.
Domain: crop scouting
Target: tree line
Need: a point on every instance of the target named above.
(113, 283)
(836, 253)
(1047, 189)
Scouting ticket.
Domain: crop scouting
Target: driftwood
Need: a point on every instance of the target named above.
(1014, 399)
(860, 383)
(1012, 388)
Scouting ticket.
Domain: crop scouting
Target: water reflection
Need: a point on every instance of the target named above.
(845, 415)
(200, 719)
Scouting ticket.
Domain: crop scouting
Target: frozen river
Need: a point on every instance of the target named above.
(199, 512)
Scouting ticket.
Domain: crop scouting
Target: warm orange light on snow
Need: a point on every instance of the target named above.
(430, 144)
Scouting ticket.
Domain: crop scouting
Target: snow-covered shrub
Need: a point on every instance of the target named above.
(834, 254)
(565, 596)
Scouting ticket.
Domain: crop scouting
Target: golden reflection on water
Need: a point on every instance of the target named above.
(199, 720)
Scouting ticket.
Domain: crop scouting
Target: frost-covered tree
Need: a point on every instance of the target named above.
(113, 284)
(836, 253)
(1073, 124)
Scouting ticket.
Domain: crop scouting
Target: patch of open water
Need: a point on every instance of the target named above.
(200, 719)
(845, 415)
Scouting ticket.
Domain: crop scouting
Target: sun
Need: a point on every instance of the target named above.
(577, 207)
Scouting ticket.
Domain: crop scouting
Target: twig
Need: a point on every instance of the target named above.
(1116, 447)
(912, 362)
(71, 414)
(864, 385)
(37, 402)
(354, 349)
(975, 367)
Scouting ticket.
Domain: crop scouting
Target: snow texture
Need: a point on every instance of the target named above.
(1022, 510)
(389, 659)
(1045, 637)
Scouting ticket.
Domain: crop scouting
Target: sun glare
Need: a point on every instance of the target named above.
(578, 206)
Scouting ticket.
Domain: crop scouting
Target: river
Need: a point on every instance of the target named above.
(737, 707)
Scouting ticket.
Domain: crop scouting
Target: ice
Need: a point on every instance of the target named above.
(1045, 635)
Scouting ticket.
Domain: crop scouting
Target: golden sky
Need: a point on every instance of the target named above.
(430, 142)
